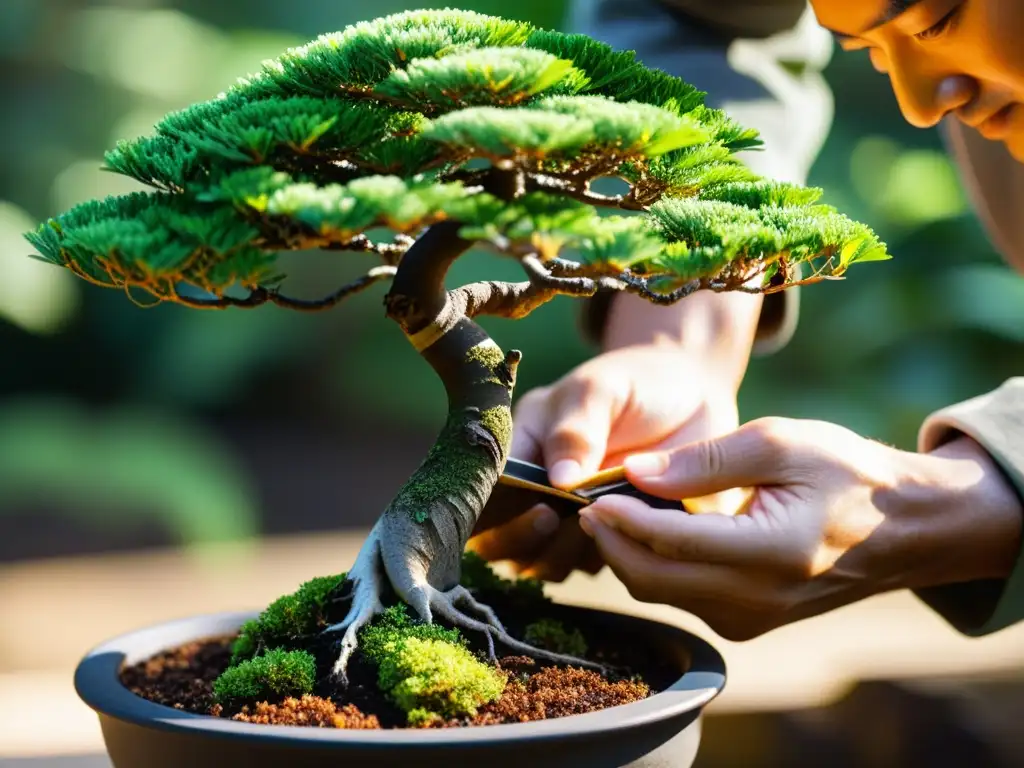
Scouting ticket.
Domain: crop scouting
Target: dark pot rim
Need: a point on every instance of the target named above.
(98, 684)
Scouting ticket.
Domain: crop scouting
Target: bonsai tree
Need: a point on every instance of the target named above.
(417, 137)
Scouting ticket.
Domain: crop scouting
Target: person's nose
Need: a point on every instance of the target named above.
(925, 97)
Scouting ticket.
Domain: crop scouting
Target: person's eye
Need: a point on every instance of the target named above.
(942, 26)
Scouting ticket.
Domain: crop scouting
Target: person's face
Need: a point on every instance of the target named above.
(964, 57)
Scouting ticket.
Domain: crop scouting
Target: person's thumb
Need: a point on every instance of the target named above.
(576, 438)
(747, 457)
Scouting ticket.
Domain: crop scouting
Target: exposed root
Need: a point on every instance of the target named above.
(454, 605)
(462, 596)
(365, 576)
(445, 604)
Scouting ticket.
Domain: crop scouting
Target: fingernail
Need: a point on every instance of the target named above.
(596, 514)
(545, 520)
(565, 472)
(586, 524)
(647, 464)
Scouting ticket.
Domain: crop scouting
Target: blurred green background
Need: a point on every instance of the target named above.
(122, 427)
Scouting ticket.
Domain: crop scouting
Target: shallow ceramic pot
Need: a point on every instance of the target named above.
(662, 731)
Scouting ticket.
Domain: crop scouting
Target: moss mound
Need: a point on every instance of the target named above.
(430, 673)
(288, 618)
(277, 673)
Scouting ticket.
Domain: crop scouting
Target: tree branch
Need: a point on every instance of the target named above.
(259, 296)
(517, 300)
(390, 253)
(579, 191)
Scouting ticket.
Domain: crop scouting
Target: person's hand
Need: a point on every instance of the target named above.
(637, 398)
(832, 518)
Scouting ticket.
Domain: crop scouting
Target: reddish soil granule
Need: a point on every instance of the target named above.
(307, 711)
(556, 692)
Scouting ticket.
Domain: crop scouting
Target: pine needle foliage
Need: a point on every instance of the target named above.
(386, 124)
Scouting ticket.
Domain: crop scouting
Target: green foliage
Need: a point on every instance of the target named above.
(432, 678)
(621, 242)
(288, 618)
(629, 127)
(338, 212)
(491, 76)
(274, 675)
(553, 635)
(728, 231)
(376, 125)
(153, 240)
(366, 53)
(233, 131)
(534, 215)
(561, 128)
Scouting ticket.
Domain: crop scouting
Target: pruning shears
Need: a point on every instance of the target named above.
(523, 484)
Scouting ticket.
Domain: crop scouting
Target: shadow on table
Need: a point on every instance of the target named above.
(880, 724)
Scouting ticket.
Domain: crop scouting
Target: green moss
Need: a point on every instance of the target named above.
(274, 675)
(291, 616)
(553, 636)
(452, 465)
(479, 577)
(247, 642)
(490, 358)
(420, 717)
(427, 670)
(394, 626)
(488, 355)
(424, 677)
(498, 421)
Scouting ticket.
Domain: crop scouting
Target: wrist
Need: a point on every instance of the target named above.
(963, 518)
(716, 330)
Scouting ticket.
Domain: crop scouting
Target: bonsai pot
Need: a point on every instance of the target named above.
(662, 730)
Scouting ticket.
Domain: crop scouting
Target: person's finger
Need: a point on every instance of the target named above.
(561, 556)
(520, 538)
(740, 540)
(651, 578)
(528, 418)
(712, 419)
(758, 453)
(576, 435)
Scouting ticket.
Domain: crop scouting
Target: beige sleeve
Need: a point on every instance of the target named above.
(996, 421)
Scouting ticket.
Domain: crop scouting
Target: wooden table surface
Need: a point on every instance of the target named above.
(55, 610)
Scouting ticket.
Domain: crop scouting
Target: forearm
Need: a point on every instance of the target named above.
(718, 328)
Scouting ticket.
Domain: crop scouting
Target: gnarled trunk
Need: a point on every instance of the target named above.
(418, 541)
